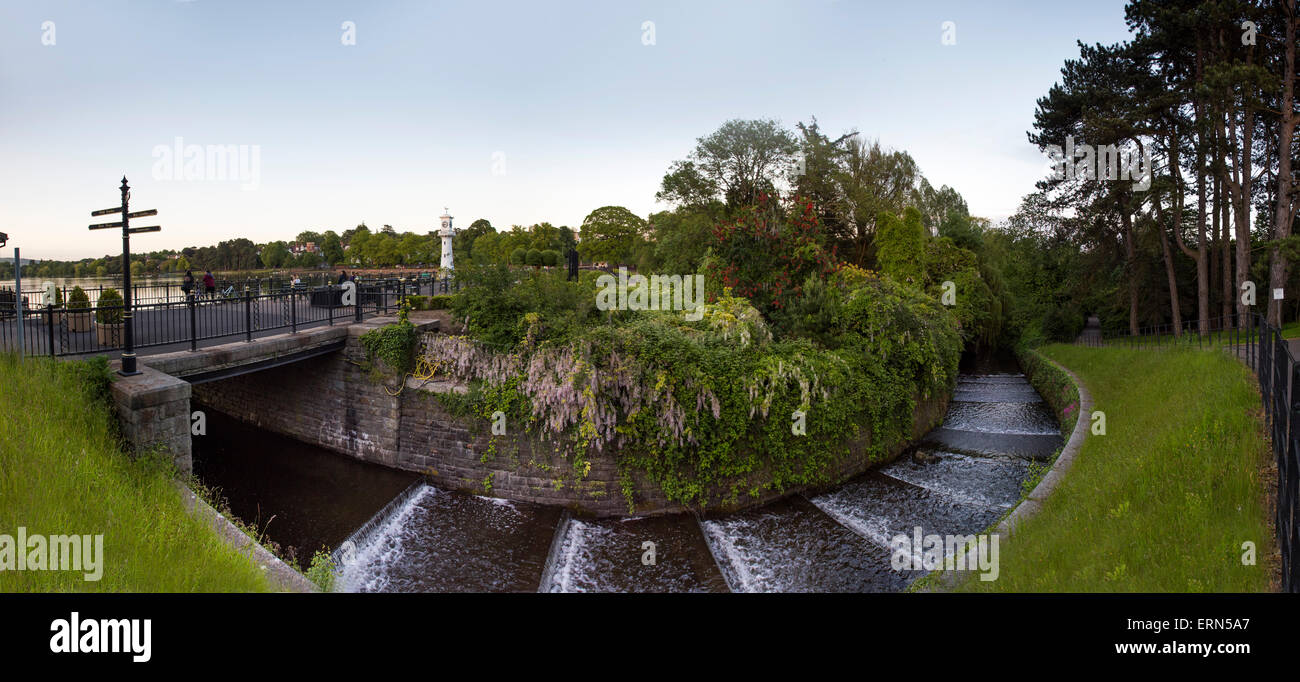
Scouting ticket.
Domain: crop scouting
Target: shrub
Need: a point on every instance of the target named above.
(765, 257)
(322, 570)
(95, 378)
(550, 258)
(901, 246)
(435, 302)
(395, 344)
(703, 409)
(497, 297)
(77, 299)
(518, 256)
(1064, 322)
(107, 299)
(534, 257)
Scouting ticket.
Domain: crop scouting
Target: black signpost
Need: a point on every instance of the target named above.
(128, 348)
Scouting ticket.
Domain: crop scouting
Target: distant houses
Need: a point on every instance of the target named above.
(299, 248)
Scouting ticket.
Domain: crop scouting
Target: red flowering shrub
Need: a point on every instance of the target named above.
(767, 252)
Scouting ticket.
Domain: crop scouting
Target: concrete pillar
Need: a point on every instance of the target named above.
(154, 411)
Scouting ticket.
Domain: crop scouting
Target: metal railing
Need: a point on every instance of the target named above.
(185, 323)
(1235, 331)
(1279, 384)
(169, 290)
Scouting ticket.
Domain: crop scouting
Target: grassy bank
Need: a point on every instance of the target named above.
(1164, 500)
(62, 472)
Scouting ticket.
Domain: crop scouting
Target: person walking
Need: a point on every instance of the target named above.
(209, 284)
(187, 284)
(343, 277)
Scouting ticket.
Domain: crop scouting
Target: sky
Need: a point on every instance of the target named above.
(517, 112)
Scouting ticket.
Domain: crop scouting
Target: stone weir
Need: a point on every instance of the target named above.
(334, 401)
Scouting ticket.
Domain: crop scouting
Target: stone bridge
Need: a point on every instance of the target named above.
(154, 406)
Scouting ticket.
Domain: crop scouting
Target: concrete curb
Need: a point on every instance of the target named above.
(279, 573)
(1033, 503)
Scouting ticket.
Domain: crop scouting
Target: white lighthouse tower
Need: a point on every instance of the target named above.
(447, 233)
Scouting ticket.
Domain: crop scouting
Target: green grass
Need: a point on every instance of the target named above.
(63, 472)
(1164, 500)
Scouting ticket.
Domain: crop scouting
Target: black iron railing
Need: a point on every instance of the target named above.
(1235, 331)
(169, 290)
(1279, 383)
(196, 318)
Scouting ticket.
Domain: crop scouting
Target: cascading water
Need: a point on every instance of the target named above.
(963, 477)
(606, 555)
(439, 541)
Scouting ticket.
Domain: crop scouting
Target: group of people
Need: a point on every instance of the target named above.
(209, 284)
(209, 289)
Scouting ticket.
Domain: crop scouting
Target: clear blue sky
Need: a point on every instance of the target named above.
(407, 121)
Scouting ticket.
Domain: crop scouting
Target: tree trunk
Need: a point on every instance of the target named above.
(1197, 254)
(1239, 184)
(1225, 248)
(1174, 307)
(1278, 269)
(1130, 254)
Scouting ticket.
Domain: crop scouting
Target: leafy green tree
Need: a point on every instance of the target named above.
(519, 256)
(875, 180)
(939, 205)
(767, 252)
(685, 186)
(609, 233)
(741, 159)
(462, 245)
(359, 245)
(413, 248)
(678, 237)
(901, 247)
(544, 236)
(275, 254)
(486, 249)
(332, 248)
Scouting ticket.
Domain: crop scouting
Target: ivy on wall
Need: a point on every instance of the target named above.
(706, 409)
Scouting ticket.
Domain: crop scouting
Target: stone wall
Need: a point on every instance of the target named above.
(327, 401)
(331, 401)
(154, 411)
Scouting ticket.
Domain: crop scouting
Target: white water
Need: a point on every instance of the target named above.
(363, 569)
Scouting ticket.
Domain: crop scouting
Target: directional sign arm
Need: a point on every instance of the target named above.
(153, 228)
(105, 226)
(106, 211)
(142, 214)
